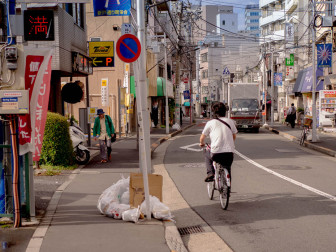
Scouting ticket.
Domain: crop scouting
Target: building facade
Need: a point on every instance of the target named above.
(252, 16)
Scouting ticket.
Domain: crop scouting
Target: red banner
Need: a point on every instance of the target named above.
(37, 81)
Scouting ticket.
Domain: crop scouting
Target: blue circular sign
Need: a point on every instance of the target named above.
(128, 48)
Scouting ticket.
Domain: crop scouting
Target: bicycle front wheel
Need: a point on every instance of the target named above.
(224, 190)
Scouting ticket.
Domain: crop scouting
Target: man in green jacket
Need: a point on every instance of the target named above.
(103, 127)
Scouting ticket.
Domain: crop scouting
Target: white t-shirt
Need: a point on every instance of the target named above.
(220, 135)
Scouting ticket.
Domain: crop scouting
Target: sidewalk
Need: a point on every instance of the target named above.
(326, 143)
(73, 223)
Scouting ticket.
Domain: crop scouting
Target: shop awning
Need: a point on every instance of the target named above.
(307, 80)
(186, 104)
(298, 83)
(161, 87)
(132, 86)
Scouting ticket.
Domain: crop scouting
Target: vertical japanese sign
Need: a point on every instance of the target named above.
(111, 8)
(324, 55)
(290, 32)
(104, 92)
(126, 76)
(37, 81)
(41, 112)
(290, 60)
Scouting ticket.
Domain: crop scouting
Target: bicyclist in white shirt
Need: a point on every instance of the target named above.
(222, 132)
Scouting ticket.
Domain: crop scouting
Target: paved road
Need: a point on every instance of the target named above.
(279, 203)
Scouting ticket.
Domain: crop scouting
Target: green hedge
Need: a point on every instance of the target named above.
(57, 146)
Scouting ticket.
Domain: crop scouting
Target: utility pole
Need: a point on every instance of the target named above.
(142, 113)
(272, 89)
(264, 87)
(191, 93)
(165, 77)
(178, 59)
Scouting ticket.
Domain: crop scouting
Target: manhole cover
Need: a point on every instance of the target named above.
(289, 167)
(190, 230)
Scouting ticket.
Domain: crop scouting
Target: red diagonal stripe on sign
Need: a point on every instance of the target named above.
(122, 42)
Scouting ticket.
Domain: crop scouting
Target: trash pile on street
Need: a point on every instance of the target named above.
(114, 202)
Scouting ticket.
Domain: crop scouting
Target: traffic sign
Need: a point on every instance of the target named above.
(226, 71)
(128, 48)
(103, 62)
(126, 28)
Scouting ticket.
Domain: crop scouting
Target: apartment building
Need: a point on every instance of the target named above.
(252, 16)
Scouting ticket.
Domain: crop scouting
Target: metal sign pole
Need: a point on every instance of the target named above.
(142, 113)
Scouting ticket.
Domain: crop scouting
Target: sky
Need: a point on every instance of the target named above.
(239, 7)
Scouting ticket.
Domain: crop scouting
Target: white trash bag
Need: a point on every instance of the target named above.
(131, 215)
(176, 126)
(158, 209)
(125, 197)
(109, 202)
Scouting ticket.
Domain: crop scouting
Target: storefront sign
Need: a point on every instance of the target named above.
(37, 80)
(289, 72)
(324, 55)
(92, 114)
(111, 8)
(290, 60)
(39, 25)
(101, 49)
(278, 79)
(81, 63)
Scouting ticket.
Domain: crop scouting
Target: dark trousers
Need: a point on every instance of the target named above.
(225, 159)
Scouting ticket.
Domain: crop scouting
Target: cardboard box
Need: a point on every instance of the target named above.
(137, 192)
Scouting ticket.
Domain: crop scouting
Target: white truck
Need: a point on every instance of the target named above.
(244, 106)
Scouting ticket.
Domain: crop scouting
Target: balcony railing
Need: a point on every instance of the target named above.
(291, 5)
(276, 16)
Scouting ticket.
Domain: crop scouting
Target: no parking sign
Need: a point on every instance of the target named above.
(128, 48)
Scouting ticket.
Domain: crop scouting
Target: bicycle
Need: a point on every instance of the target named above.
(221, 183)
(305, 130)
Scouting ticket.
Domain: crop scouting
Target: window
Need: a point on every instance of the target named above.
(169, 74)
(161, 70)
(204, 74)
(215, 44)
(204, 57)
(76, 10)
(223, 22)
(233, 23)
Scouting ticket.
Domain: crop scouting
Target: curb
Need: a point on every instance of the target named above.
(306, 143)
(163, 139)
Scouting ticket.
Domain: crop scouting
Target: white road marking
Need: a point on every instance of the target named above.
(187, 147)
(286, 178)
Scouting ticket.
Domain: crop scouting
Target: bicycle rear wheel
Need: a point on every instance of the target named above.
(224, 190)
(211, 189)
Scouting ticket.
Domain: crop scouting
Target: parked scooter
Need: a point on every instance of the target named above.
(78, 139)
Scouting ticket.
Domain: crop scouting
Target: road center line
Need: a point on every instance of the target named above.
(286, 178)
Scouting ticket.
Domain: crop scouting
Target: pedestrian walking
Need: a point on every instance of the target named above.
(291, 115)
(103, 127)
